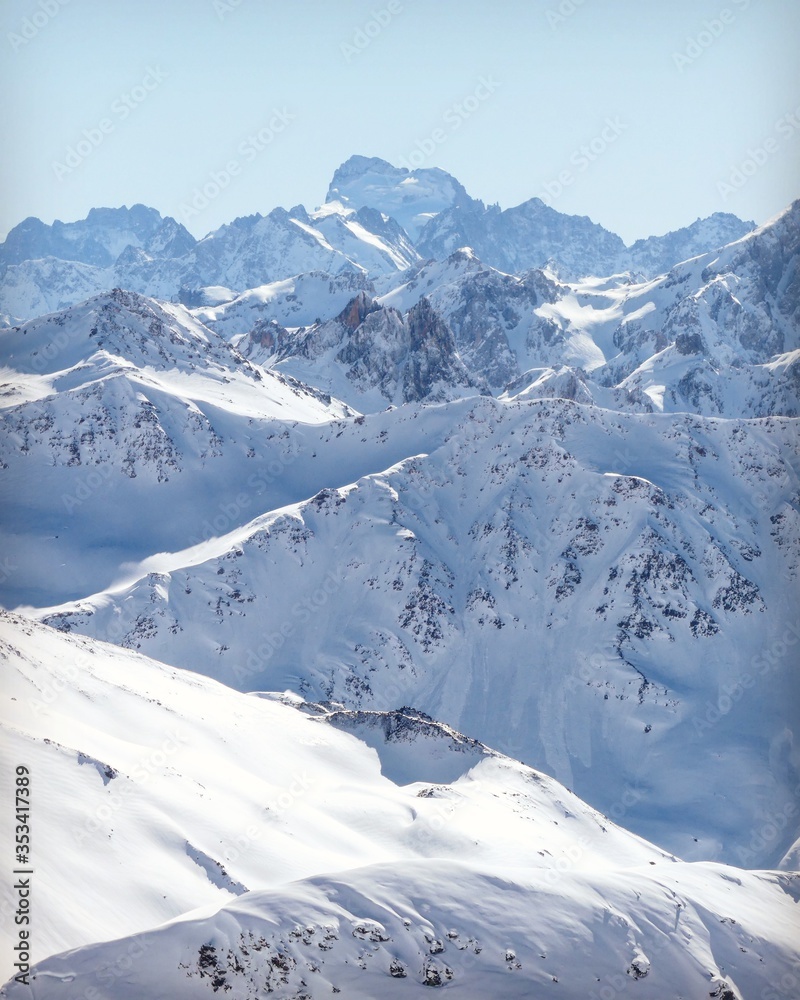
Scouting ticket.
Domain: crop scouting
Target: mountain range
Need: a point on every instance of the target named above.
(358, 229)
(401, 594)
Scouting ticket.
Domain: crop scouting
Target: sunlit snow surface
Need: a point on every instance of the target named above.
(186, 794)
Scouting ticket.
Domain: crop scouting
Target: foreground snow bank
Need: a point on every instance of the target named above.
(674, 930)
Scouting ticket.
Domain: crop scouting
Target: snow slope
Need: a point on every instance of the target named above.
(138, 769)
(117, 396)
(399, 930)
(313, 870)
(579, 588)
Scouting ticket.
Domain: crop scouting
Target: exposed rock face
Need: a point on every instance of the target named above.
(371, 355)
(267, 338)
(689, 343)
(356, 311)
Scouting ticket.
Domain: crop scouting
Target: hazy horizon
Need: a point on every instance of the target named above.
(644, 119)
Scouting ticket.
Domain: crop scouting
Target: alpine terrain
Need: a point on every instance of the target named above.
(400, 595)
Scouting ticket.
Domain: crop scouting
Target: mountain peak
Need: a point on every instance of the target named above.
(657, 254)
(137, 215)
(357, 166)
(357, 310)
(117, 324)
(99, 239)
(411, 197)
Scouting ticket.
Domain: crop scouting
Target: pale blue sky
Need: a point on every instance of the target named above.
(681, 130)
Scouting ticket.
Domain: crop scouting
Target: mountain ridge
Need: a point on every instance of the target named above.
(361, 227)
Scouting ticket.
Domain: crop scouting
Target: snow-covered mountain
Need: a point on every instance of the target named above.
(255, 250)
(412, 197)
(715, 335)
(657, 254)
(669, 343)
(116, 397)
(234, 760)
(536, 235)
(343, 543)
(249, 252)
(37, 287)
(500, 322)
(575, 587)
(99, 239)
(529, 235)
(441, 217)
(216, 436)
(301, 300)
(299, 850)
(377, 219)
(370, 355)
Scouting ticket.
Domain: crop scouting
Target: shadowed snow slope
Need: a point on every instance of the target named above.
(144, 425)
(497, 881)
(593, 592)
(140, 768)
